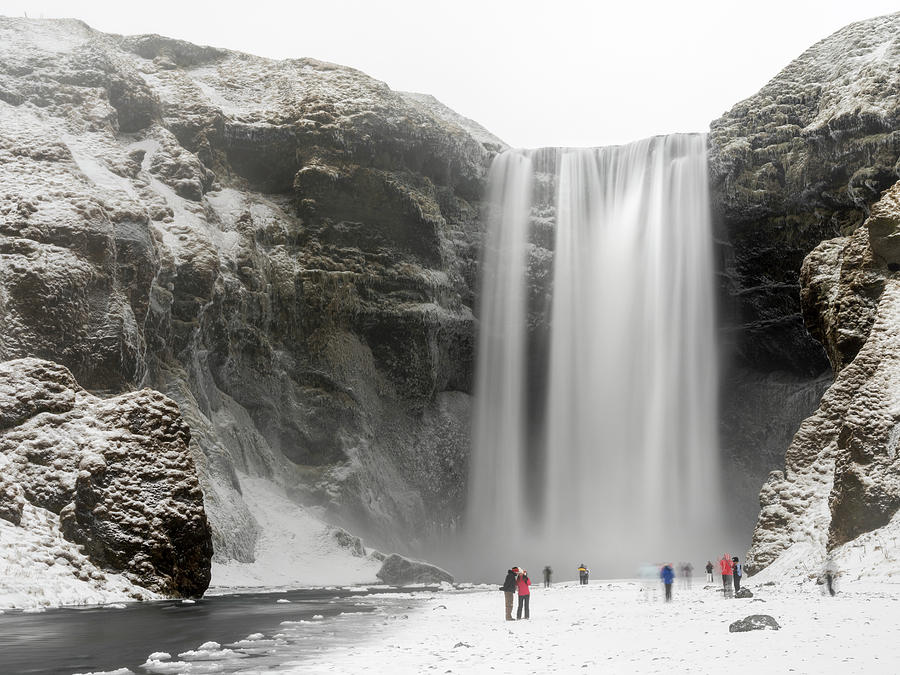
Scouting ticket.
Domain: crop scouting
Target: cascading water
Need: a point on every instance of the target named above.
(629, 454)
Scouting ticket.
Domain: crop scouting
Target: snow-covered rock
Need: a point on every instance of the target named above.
(841, 478)
(754, 622)
(113, 476)
(399, 571)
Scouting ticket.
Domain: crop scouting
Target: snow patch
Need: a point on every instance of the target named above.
(295, 547)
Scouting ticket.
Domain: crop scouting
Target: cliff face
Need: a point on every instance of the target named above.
(800, 162)
(287, 249)
(842, 474)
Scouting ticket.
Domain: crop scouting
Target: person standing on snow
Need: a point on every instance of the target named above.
(548, 573)
(509, 589)
(667, 574)
(709, 569)
(726, 568)
(738, 571)
(583, 574)
(523, 583)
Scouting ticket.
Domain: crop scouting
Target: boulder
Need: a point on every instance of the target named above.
(116, 471)
(399, 571)
(754, 622)
(744, 593)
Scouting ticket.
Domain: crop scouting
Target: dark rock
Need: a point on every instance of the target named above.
(744, 593)
(346, 540)
(117, 471)
(754, 622)
(400, 571)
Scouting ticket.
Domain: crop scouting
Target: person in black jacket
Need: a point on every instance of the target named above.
(738, 573)
(509, 590)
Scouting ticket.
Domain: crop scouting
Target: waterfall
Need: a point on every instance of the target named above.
(497, 468)
(628, 464)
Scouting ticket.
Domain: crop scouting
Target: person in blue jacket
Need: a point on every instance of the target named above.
(667, 574)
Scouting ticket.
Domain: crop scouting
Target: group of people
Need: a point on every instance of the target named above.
(517, 581)
(732, 571)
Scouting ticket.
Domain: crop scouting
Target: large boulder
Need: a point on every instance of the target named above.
(399, 571)
(116, 471)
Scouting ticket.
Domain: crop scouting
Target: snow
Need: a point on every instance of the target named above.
(609, 626)
(39, 569)
(295, 547)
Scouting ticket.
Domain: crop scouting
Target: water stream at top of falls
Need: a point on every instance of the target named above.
(618, 461)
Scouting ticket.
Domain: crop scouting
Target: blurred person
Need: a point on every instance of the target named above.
(726, 569)
(688, 574)
(509, 589)
(522, 585)
(548, 573)
(709, 570)
(647, 573)
(830, 574)
(737, 572)
(667, 574)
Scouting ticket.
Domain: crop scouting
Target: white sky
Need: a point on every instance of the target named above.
(563, 72)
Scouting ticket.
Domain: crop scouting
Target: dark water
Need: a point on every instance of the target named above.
(81, 640)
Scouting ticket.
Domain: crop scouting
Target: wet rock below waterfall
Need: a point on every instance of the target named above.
(398, 570)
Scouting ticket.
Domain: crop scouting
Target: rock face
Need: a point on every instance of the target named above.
(286, 249)
(399, 571)
(116, 471)
(800, 162)
(842, 472)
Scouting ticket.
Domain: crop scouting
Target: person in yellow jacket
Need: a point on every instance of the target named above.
(583, 574)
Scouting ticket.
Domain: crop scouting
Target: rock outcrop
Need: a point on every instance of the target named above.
(754, 622)
(285, 248)
(400, 571)
(842, 473)
(798, 163)
(116, 471)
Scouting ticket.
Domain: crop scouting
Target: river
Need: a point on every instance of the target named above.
(253, 631)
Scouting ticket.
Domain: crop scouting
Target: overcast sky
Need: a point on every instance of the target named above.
(561, 72)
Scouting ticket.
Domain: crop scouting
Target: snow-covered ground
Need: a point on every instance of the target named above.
(615, 627)
(295, 547)
(40, 569)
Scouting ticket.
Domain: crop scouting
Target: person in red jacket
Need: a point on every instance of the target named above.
(725, 566)
(522, 585)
